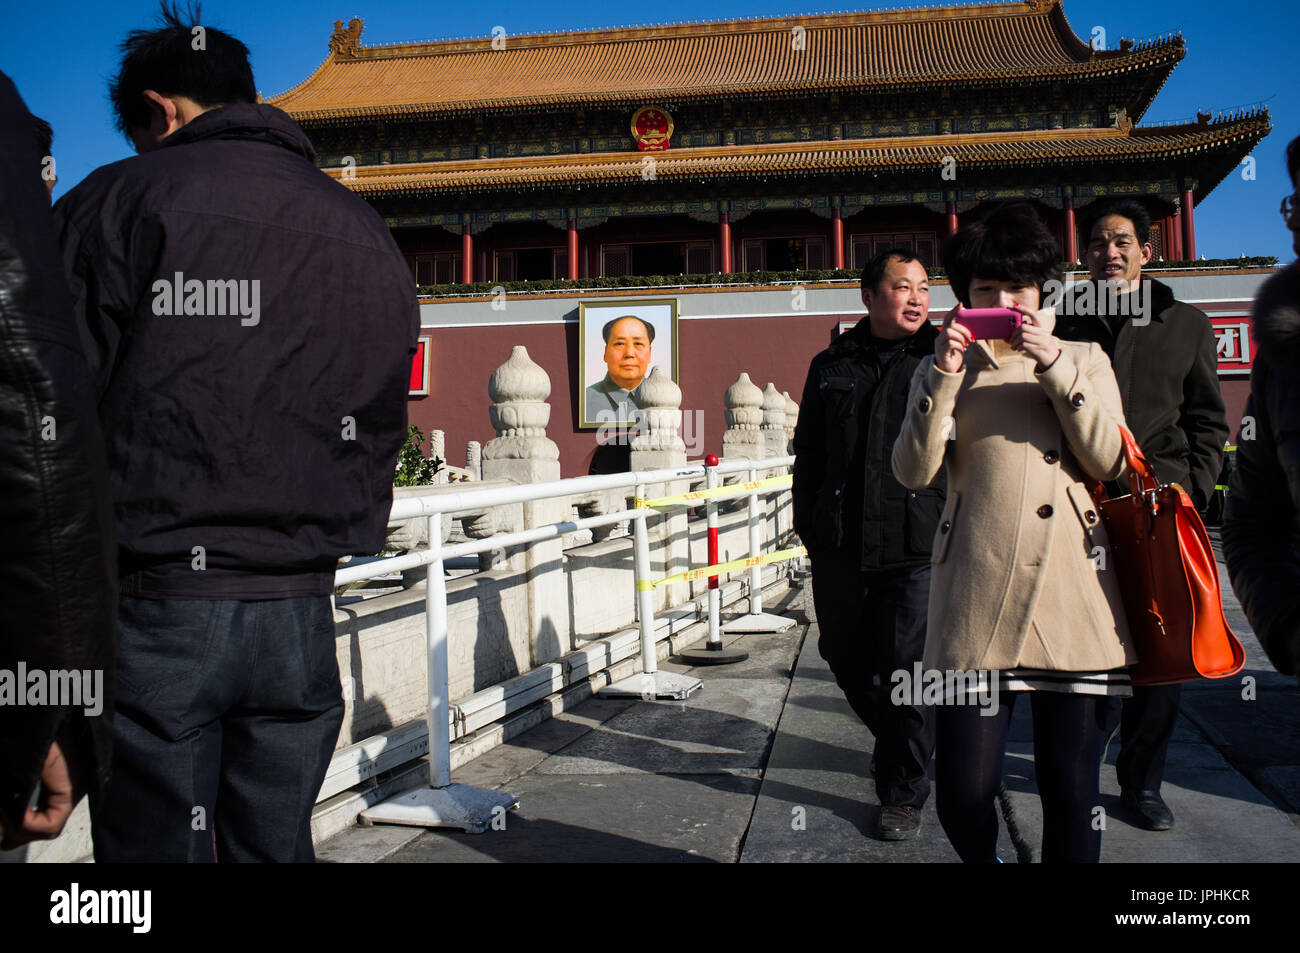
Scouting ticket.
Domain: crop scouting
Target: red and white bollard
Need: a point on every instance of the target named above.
(713, 653)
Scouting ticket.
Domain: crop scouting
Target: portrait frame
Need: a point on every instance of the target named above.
(420, 367)
(659, 313)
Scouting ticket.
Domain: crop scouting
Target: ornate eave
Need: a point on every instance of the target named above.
(1228, 138)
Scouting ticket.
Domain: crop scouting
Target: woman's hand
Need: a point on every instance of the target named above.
(1030, 337)
(950, 345)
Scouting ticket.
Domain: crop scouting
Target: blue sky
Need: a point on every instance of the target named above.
(61, 55)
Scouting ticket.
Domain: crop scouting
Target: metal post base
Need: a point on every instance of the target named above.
(656, 685)
(457, 805)
(759, 622)
(712, 654)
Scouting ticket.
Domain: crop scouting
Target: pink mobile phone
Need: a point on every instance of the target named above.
(987, 323)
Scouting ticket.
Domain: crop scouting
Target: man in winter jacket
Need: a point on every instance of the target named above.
(57, 576)
(1261, 529)
(869, 538)
(249, 324)
(1165, 362)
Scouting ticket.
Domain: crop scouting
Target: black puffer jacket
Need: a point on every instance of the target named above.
(847, 503)
(247, 451)
(1261, 529)
(57, 568)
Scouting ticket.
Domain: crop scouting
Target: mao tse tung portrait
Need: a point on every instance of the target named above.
(621, 341)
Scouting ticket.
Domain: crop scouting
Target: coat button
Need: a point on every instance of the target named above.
(1051, 456)
(924, 405)
(945, 526)
(1077, 399)
(1090, 516)
(1044, 511)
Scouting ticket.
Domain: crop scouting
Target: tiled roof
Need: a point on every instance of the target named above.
(1004, 42)
(1233, 136)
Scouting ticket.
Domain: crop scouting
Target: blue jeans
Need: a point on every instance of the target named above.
(227, 715)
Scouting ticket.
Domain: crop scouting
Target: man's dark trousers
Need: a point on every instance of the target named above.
(228, 714)
(872, 624)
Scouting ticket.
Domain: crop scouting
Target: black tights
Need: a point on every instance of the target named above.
(969, 748)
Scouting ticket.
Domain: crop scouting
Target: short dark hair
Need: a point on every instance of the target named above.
(1009, 244)
(874, 270)
(166, 61)
(1126, 208)
(44, 136)
(609, 326)
(1293, 159)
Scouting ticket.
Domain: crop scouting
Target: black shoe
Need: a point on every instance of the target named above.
(899, 823)
(1149, 808)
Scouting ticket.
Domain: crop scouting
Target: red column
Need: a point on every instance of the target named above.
(1071, 241)
(1189, 226)
(1176, 236)
(952, 217)
(724, 240)
(466, 255)
(573, 248)
(837, 238)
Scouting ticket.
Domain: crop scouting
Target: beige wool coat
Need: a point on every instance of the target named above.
(1017, 576)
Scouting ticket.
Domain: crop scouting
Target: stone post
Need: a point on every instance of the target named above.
(522, 452)
(775, 438)
(474, 459)
(658, 445)
(438, 450)
(791, 418)
(744, 414)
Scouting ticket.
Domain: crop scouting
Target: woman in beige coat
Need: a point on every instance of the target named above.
(1023, 592)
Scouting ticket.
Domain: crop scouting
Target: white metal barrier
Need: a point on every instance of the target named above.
(472, 809)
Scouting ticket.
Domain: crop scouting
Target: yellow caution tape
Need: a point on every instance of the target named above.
(705, 571)
(734, 489)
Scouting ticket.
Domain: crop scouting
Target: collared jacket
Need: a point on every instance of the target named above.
(1022, 575)
(1261, 529)
(57, 561)
(250, 324)
(847, 503)
(1167, 367)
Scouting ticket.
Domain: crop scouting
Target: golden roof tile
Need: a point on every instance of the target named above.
(1002, 42)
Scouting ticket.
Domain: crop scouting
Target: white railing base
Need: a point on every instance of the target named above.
(648, 687)
(471, 809)
(759, 622)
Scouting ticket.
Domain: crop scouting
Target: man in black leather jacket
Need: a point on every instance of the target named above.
(57, 563)
(869, 538)
(1261, 526)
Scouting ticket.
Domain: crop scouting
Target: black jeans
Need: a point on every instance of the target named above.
(968, 771)
(227, 715)
(872, 624)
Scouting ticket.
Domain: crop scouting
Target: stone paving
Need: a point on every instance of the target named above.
(767, 764)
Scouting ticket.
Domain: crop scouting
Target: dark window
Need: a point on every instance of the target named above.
(661, 258)
(534, 264)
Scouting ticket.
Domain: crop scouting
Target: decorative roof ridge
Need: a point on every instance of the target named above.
(972, 9)
(1249, 115)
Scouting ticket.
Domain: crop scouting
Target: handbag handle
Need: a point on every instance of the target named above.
(1141, 478)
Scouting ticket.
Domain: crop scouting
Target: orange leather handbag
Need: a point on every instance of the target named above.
(1168, 579)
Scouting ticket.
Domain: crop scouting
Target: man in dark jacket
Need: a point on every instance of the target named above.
(1261, 528)
(868, 537)
(250, 324)
(57, 575)
(1165, 360)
